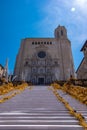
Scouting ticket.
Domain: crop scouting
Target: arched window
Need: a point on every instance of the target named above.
(61, 32)
(57, 34)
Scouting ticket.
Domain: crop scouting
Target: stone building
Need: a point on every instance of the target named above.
(82, 69)
(1, 71)
(44, 60)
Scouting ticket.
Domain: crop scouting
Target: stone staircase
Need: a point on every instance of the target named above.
(38, 120)
(36, 109)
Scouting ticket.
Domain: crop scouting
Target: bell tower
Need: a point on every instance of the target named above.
(64, 51)
(60, 32)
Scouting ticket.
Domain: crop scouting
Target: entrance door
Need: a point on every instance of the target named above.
(40, 81)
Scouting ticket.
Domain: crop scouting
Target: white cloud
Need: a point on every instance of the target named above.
(58, 12)
(81, 3)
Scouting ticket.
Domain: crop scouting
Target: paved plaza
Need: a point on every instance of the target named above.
(39, 109)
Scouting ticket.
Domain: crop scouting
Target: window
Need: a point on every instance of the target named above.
(57, 35)
(41, 70)
(48, 70)
(56, 63)
(48, 79)
(32, 43)
(35, 43)
(62, 32)
(41, 54)
(26, 63)
(33, 70)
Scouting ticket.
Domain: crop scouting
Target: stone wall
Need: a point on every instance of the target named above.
(44, 60)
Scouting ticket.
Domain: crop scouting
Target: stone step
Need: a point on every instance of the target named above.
(19, 122)
(41, 127)
(39, 117)
(37, 109)
(37, 114)
(24, 121)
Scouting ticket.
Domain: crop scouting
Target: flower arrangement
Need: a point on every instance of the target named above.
(7, 88)
(78, 92)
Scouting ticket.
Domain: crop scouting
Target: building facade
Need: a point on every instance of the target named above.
(44, 60)
(82, 69)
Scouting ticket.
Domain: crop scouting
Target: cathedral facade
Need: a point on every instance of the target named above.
(44, 60)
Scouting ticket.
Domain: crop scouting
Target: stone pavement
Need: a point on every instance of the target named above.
(36, 109)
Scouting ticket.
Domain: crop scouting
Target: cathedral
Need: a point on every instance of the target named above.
(45, 60)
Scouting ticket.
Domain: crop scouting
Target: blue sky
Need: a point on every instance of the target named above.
(38, 18)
